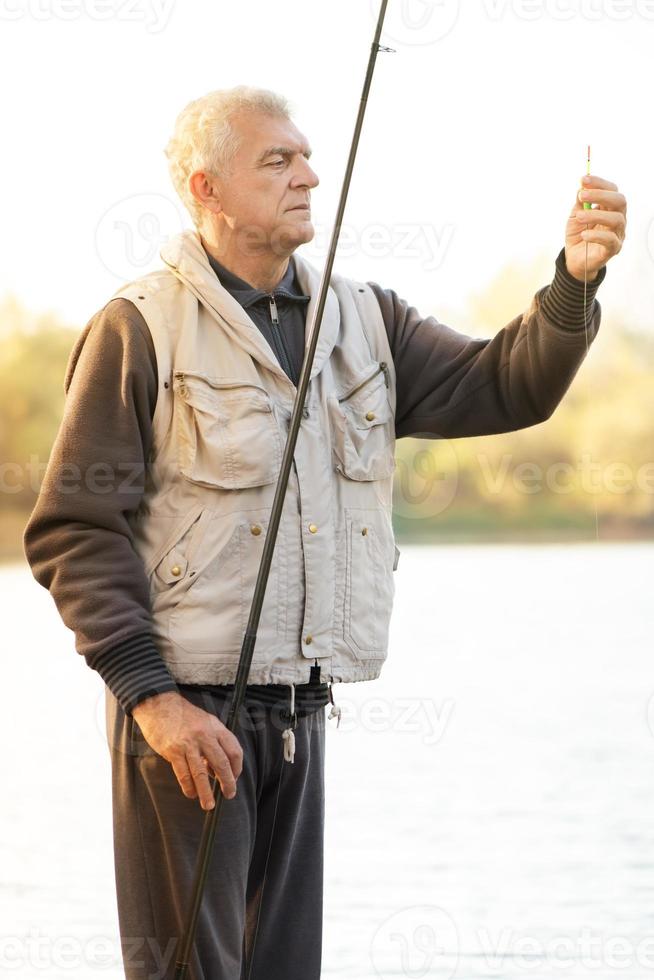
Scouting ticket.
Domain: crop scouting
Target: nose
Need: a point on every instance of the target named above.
(314, 181)
(305, 175)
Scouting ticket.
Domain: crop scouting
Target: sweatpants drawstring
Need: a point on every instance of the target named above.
(288, 734)
(335, 710)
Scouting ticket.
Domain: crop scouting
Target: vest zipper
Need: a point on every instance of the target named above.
(278, 335)
(383, 366)
(215, 383)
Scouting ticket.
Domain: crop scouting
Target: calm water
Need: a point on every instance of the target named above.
(490, 796)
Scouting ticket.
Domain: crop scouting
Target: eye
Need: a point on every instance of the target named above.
(275, 163)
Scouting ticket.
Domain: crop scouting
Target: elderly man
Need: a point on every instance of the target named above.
(179, 395)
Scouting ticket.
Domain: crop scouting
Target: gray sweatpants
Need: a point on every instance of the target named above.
(261, 916)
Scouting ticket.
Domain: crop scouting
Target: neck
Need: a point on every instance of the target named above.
(260, 270)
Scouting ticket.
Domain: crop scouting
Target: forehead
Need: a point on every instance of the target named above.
(262, 133)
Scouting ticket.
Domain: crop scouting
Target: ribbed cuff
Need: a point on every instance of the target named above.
(133, 671)
(562, 301)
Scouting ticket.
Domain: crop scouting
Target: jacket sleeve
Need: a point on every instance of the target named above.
(451, 385)
(78, 540)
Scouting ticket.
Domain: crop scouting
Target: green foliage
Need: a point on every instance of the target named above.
(33, 356)
(591, 461)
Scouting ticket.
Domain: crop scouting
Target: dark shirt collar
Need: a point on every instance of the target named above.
(246, 295)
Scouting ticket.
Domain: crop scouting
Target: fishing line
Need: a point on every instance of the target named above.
(587, 207)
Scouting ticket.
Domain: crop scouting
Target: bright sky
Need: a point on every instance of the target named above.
(470, 158)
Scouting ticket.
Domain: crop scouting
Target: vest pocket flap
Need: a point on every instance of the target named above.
(364, 427)
(172, 568)
(171, 563)
(176, 529)
(228, 436)
(366, 401)
(221, 397)
(370, 411)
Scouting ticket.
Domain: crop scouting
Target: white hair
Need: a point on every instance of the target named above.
(203, 138)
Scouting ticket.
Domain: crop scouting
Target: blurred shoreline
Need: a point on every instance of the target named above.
(480, 530)
(589, 463)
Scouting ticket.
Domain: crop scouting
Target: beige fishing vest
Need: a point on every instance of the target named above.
(219, 429)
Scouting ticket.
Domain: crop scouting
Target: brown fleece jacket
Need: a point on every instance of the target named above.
(78, 540)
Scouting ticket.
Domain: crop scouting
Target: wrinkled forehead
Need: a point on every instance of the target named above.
(263, 135)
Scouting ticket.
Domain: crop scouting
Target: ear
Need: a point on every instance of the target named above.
(204, 188)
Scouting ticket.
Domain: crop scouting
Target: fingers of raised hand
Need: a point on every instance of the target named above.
(600, 236)
(609, 200)
(615, 221)
(592, 180)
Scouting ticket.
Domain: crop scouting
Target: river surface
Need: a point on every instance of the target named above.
(490, 798)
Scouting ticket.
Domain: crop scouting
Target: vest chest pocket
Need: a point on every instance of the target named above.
(363, 427)
(227, 433)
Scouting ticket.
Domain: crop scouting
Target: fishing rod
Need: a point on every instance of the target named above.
(185, 945)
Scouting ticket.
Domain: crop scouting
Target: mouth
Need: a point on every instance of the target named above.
(300, 207)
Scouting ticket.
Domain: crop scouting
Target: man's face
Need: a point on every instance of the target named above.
(270, 179)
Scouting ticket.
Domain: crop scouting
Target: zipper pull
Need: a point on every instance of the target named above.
(273, 310)
(382, 366)
(335, 711)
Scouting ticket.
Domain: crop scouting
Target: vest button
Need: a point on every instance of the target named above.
(175, 570)
(305, 412)
(255, 528)
(364, 530)
(308, 638)
(313, 528)
(370, 416)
